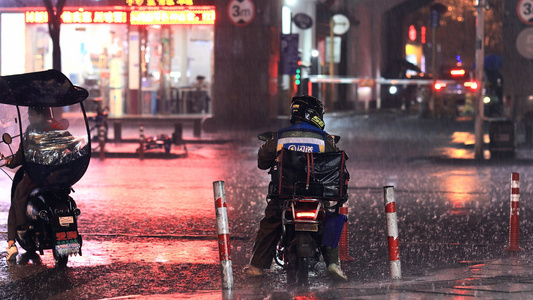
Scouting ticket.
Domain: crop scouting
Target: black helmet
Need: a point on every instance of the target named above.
(308, 109)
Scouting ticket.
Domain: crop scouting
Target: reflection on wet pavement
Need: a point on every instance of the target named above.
(457, 153)
(465, 142)
(142, 250)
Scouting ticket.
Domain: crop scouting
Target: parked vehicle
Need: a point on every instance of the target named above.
(55, 157)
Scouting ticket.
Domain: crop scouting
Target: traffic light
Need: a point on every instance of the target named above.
(297, 77)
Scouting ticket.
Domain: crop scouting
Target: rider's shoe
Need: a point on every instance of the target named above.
(12, 253)
(253, 271)
(335, 272)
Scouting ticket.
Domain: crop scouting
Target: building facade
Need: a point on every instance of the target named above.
(142, 57)
(136, 57)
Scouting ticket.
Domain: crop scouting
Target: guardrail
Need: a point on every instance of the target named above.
(447, 88)
(367, 81)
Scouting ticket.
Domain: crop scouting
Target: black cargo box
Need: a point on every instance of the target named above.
(313, 174)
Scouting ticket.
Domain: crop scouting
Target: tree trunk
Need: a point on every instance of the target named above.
(54, 24)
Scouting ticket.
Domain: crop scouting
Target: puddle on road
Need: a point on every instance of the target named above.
(167, 251)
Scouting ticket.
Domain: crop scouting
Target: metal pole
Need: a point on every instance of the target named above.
(224, 248)
(431, 105)
(480, 53)
(331, 94)
(141, 141)
(101, 141)
(392, 230)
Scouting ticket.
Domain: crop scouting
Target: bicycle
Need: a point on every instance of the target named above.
(97, 123)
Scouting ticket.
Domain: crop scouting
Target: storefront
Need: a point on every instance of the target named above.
(134, 59)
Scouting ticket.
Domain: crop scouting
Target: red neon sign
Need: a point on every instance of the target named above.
(80, 17)
(158, 2)
(412, 33)
(169, 17)
(204, 16)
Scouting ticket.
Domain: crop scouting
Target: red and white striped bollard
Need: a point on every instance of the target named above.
(344, 240)
(224, 248)
(392, 230)
(514, 222)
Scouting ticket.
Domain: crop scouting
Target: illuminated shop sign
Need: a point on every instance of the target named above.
(144, 17)
(158, 2)
(80, 17)
(168, 17)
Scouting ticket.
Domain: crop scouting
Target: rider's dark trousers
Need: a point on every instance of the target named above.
(17, 211)
(268, 235)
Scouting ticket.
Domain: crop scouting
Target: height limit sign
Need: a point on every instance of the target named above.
(241, 12)
(524, 10)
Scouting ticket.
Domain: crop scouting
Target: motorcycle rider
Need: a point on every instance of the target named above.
(39, 119)
(305, 133)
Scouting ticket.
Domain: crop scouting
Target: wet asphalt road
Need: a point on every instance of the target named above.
(149, 226)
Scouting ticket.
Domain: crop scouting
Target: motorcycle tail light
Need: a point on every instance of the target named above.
(305, 210)
(305, 215)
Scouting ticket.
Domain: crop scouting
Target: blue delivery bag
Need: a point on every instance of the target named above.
(333, 229)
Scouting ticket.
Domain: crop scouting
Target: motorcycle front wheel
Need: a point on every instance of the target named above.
(278, 257)
(60, 260)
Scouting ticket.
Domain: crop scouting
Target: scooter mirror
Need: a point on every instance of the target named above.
(265, 136)
(336, 138)
(6, 138)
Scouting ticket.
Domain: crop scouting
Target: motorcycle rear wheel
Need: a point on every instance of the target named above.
(298, 271)
(60, 260)
(291, 268)
(303, 271)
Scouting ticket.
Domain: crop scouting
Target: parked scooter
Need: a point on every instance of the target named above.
(55, 157)
(310, 187)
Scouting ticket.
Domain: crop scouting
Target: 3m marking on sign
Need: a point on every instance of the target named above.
(524, 10)
(241, 12)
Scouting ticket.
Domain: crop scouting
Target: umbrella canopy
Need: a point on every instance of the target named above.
(46, 88)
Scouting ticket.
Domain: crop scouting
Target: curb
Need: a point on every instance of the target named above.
(147, 155)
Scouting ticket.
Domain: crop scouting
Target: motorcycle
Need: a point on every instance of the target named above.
(310, 187)
(55, 157)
